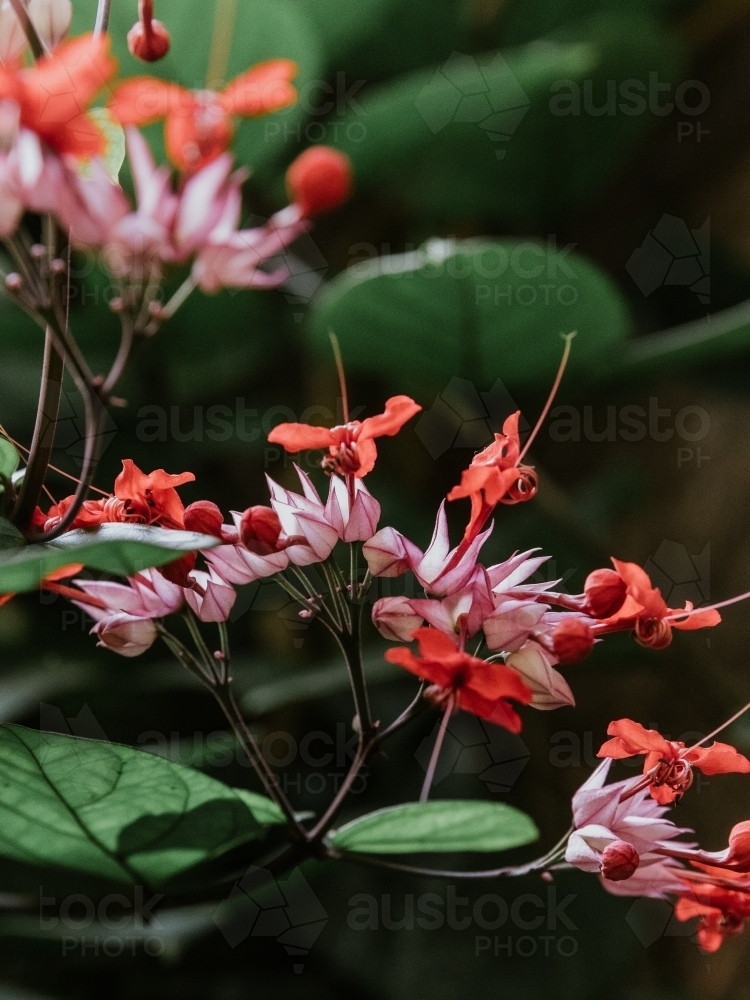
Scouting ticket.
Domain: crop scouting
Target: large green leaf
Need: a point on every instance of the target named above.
(115, 548)
(9, 458)
(441, 826)
(479, 309)
(482, 135)
(113, 811)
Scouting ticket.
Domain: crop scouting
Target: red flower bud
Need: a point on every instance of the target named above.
(177, 571)
(148, 39)
(319, 180)
(204, 517)
(260, 528)
(605, 593)
(572, 641)
(620, 861)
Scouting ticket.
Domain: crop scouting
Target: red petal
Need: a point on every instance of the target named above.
(719, 758)
(262, 89)
(367, 453)
(641, 588)
(631, 739)
(144, 99)
(431, 671)
(698, 619)
(435, 645)
(59, 88)
(398, 409)
(300, 437)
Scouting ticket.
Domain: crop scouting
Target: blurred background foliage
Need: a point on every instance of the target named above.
(472, 173)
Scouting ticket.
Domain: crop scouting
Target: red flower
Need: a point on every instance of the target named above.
(351, 447)
(669, 764)
(151, 499)
(199, 122)
(495, 476)
(319, 179)
(721, 909)
(646, 611)
(54, 94)
(477, 686)
(138, 499)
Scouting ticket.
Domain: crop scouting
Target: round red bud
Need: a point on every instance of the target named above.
(260, 528)
(204, 517)
(620, 861)
(179, 571)
(572, 641)
(605, 593)
(149, 43)
(319, 180)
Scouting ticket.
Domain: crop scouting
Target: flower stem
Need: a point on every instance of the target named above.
(102, 17)
(35, 42)
(43, 440)
(428, 778)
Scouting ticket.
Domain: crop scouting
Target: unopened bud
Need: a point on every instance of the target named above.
(620, 861)
(117, 304)
(260, 528)
(38, 251)
(58, 266)
(51, 19)
(605, 593)
(572, 641)
(14, 282)
(204, 517)
(319, 180)
(148, 39)
(155, 309)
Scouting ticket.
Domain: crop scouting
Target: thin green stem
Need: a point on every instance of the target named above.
(430, 775)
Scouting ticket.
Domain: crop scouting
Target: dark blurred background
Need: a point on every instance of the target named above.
(524, 168)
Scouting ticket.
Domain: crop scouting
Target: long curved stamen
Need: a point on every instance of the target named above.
(342, 377)
(679, 615)
(551, 398)
(718, 730)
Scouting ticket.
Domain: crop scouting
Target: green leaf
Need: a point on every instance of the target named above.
(441, 826)
(481, 309)
(113, 811)
(10, 536)
(114, 137)
(116, 548)
(9, 458)
(264, 810)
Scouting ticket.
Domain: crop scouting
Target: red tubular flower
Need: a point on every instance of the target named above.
(319, 180)
(148, 39)
(646, 611)
(199, 122)
(495, 476)
(669, 764)
(351, 447)
(54, 94)
(477, 686)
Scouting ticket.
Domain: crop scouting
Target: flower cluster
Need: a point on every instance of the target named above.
(620, 832)
(55, 160)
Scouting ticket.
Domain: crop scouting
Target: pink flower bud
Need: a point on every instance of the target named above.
(51, 19)
(125, 634)
(148, 39)
(572, 641)
(395, 618)
(319, 180)
(605, 593)
(620, 861)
